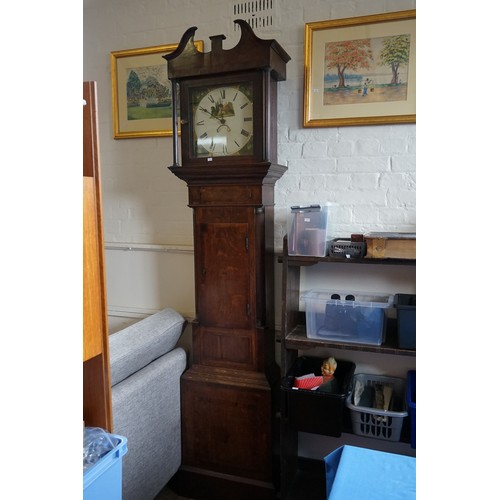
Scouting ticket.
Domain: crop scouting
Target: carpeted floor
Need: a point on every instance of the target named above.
(168, 494)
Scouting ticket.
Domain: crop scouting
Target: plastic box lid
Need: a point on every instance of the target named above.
(348, 298)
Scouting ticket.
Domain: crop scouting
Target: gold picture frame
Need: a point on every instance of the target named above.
(141, 92)
(360, 70)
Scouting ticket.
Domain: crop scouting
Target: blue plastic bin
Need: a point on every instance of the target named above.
(103, 480)
(362, 474)
(411, 399)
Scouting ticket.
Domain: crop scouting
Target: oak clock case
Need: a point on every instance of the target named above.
(222, 118)
(227, 107)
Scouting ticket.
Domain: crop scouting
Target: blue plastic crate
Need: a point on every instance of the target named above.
(411, 400)
(359, 473)
(103, 480)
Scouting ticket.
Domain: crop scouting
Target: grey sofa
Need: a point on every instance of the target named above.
(146, 367)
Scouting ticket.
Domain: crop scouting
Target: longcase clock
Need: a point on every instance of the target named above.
(227, 113)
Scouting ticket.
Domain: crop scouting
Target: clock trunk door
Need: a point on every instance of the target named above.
(224, 290)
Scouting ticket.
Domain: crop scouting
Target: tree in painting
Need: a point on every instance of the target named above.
(348, 55)
(133, 88)
(152, 88)
(395, 52)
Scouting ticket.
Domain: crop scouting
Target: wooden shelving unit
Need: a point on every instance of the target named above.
(304, 479)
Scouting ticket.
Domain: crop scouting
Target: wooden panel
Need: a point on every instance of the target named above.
(90, 139)
(391, 245)
(227, 421)
(225, 289)
(225, 195)
(92, 290)
(97, 410)
(225, 347)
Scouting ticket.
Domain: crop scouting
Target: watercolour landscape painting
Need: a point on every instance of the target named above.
(364, 71)
(361, 70)
(142, 92)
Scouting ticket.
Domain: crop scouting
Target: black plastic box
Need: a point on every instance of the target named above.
(406, 306)
(411, 401)
(313, 411)
(347, 249)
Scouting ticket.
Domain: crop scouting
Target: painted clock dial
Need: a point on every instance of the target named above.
(222, 120)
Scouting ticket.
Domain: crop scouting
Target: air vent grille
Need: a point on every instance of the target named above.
(259, 14)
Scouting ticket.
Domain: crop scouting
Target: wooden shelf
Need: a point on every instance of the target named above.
(297, 339)
(302, 260)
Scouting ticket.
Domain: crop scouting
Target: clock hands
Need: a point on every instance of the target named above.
(212, 115)
(219, 119)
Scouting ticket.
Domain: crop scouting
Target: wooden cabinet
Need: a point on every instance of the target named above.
(305, 479)
(96, 379)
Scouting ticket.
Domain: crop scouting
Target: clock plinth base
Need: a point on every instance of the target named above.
(200, 484)
(226, 433)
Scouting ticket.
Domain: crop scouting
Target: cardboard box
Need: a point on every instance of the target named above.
(364, 474)
(391, 245)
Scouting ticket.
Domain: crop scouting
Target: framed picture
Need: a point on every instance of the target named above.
(142, 92)
(360, 70)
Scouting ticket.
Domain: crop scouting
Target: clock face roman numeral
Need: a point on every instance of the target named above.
(211, 99)
(245, 133)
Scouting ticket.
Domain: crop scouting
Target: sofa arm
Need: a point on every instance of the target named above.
(139, 344)
(146, 409)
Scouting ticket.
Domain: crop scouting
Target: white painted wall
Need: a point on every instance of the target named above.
(368, 171)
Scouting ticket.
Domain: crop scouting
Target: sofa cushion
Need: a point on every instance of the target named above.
(137, 345)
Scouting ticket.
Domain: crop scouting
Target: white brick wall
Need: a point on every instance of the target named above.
(368, 171)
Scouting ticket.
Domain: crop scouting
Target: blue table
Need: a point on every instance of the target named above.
(363, 474)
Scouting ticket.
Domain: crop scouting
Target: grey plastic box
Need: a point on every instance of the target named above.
(375, 423)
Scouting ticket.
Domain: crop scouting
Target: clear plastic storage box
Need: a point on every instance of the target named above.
(308, 228)
(347, 316)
